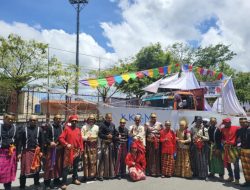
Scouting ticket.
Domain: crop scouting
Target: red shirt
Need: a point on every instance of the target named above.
(71, 136)
(139, 160)
(229, 135)
(167, 146)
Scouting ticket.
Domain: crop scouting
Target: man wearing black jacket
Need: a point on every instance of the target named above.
(107, 134)
(30, 151)
(54, 154)
(8, 142)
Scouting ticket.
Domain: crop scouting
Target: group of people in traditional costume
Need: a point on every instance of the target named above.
(108, 152)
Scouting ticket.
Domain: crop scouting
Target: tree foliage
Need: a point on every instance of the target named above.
(62, 75)
(242, 86)
(213, 56)
(21, 62)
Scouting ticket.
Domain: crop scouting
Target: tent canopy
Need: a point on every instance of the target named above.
(229, 102)
(187, 81)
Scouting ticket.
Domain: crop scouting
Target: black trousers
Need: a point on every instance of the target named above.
(56, 182)
(7, 186)
(66, 171)
(23, 180)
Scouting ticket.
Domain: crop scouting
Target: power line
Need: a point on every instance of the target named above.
(94, 56)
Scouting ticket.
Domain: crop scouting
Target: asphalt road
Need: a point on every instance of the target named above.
(150, 183)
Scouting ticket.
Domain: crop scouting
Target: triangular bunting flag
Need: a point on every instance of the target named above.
(110, 80)
(93, 83)
(126, 77)
(102, 82)
(132, 75)
(118, 79)
(150, 73)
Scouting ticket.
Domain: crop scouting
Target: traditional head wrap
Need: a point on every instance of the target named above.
(134, 145)
(197, 118)
(122, 120)
(213, 119)
(226, 120)
(73, 118)
(57, 116)
(153, 115)
(168, 122)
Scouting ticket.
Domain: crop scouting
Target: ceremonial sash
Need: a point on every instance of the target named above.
(36, 162)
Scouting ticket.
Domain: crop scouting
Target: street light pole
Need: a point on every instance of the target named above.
(48, 93)
(78, 5)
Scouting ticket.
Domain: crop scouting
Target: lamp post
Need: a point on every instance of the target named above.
(78, 5)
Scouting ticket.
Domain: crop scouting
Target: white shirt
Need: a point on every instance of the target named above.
(89, 131)
(138, 132)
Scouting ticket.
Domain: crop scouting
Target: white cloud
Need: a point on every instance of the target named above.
(169, 21)
(61, 40)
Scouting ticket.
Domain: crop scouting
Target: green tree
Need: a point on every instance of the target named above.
(63, 76)
(213, 56)
(181, 53)
(152, 56)
(242, 86)
(21, 61)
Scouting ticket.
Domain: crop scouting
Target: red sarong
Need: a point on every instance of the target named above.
(8, 165)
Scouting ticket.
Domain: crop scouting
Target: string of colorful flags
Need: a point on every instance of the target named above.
(162, 71)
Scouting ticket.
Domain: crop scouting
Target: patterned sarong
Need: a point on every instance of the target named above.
(54, 163)
(199, 162)
(8, 165)
(182, 163)
(106, 160)
(167, 164)
(153, 158)
(26, 162)
(69, 156)
(230, 154)
(245, 160)
(120, 166)
(136, 174)
(90, 159)
(216, 162)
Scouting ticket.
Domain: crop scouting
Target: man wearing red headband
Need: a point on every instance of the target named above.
(136, 162)
(231, 152)
(71, 138)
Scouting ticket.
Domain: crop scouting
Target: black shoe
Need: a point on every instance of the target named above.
(119, 177)
(246, 184)
(211, 175)
(100, 178)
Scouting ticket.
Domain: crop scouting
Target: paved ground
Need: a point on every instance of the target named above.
(150, 183)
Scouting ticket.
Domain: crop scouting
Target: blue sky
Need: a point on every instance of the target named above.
(59, 14)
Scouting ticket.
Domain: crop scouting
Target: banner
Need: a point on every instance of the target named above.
(212, 89)
(163, 115)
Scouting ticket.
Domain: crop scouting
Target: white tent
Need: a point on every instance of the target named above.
(187, 81)
(230, 102)
(207, 106)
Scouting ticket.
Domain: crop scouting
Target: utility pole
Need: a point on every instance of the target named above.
(78, 5)
(48, 97)
(99, 71)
